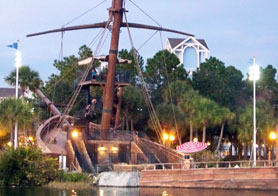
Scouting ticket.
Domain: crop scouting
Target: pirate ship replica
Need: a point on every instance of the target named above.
(87, 145)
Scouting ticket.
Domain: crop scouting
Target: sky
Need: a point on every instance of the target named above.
(234, 30)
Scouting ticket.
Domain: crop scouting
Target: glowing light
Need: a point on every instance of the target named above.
(101, 148)
(165, 136)
(18, 59)
(74, 133)
(9, 144)
(195, 139)
(254, 72)
(172, 137)
(272, 135)
(115, 149)
(30, 138)
(208, 143)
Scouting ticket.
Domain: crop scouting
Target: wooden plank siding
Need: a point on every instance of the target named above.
(229, 178)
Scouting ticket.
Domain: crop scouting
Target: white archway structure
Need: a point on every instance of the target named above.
(180, 47)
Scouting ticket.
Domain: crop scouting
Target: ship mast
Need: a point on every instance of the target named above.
(116, 12)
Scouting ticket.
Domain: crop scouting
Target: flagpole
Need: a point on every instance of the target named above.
(17, 65)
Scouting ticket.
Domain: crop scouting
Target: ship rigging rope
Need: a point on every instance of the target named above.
(49, 89)
(78, 89)
(154, 119)
(145, 42)
(92, 43)
(170, 91)
(145, 13)
(84, 13)
(60, 59)
(164, 58)
(61, 56)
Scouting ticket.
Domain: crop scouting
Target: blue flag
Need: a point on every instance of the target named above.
(14, 45)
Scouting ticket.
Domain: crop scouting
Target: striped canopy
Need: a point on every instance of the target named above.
(191, 147)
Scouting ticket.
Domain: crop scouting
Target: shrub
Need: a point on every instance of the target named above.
(74, 177)
(26, 166)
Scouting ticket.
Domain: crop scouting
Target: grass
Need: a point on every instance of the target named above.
(69, 185)
(72, 180)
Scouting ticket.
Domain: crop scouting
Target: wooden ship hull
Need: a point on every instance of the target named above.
(102, 144)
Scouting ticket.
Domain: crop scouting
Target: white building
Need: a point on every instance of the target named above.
(191, 52)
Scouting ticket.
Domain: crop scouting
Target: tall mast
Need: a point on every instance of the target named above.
(116, 11)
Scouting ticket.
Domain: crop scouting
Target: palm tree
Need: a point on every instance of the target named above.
(30, 79)
(26, 78)
(15, 110)
(188, 107)
(245, 133)
(206, 111)
(224, 115)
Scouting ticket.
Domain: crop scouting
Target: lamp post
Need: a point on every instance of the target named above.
(254, 74)
(17, 65)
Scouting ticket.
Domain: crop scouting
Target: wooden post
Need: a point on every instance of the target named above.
(117, 10)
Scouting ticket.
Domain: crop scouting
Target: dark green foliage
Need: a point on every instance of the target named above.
(26, 167)
(74, 177)
(164, 67)
(219, 83)
(132, 105)
(12, 110)
(60, 87)
(129, 70)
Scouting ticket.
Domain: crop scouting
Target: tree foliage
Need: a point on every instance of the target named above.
(15, 110)
(27, 78)
(26, 167)
(219, 83)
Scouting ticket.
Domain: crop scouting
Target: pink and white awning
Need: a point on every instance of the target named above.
(191, 147)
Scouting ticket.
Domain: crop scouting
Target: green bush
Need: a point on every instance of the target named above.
(74, 177)
(26, 166)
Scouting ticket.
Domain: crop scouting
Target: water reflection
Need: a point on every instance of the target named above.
(109, 191)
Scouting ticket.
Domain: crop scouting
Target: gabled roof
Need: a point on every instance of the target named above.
(203, 42)
(8, 92)
(176, 41)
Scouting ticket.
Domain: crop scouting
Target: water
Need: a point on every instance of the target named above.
(109, 191)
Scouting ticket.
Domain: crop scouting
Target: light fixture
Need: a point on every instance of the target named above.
(30, 138)
(115, 149)
(101, 148)
(208, 143)
(165, 136)
(272, 135)
(74, 133)
(195, 139)
(254, 72)
(172, 137)
(18, 59)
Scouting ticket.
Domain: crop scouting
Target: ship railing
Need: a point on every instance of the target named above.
(185, 165)
(214, 164)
